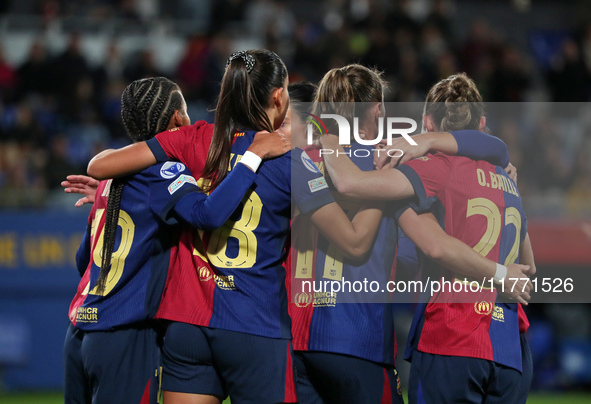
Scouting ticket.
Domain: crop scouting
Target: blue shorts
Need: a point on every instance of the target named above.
(527, 372)
(112, 367)
(327, 378)
(249, 368)
(439, 379)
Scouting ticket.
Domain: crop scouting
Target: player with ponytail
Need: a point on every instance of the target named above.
(111, 350)
(453, 343)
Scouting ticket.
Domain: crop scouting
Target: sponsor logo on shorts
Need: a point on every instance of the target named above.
(179, 182)
(317, 184)
(483, 307)
(171, 169)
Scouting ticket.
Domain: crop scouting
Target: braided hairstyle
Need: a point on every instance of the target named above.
(244, 96)
(341, 88)
(147, 105)
(455, 103)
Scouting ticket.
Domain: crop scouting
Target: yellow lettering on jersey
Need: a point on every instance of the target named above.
(87, 315)
(493, 180)
(498, 314)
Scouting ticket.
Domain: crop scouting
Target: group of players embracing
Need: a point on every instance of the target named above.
(188, 264)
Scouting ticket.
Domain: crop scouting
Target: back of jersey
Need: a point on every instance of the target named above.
(141, 254)
(357, 322)
(480, 205)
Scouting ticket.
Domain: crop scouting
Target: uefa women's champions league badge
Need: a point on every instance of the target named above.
(309, 164)
(171, 169)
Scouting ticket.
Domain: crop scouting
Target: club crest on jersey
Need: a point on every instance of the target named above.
(309, 164)
(170, 169)
(483, 307)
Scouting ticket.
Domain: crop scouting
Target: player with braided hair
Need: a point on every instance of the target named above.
(231, 331)
(111, 349)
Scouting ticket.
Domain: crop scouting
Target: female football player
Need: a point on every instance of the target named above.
(452, 344)
(111, 347)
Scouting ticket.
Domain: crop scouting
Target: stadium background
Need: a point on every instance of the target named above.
(64, 64)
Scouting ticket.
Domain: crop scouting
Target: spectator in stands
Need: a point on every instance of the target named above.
(33, 75)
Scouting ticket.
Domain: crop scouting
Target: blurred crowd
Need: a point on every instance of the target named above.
(57, 109)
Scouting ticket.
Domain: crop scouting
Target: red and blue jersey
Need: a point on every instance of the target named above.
(146, 234)
(357, 324)
(232, 278)
(480, 205)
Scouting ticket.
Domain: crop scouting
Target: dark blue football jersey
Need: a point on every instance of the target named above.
(145, 235)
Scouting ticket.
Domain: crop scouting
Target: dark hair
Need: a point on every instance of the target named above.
(341, 87)
(455, 103)
(241, 105)
(147, 105)
(302, 91)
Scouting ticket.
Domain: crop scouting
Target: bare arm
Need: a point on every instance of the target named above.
(352, 237)
(443, 142)
(526, 255)
(113, 163)
(354, 183)
(136, 157)
(453, 254)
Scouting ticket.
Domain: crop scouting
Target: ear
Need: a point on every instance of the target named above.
(429, 124)
(482, 124)
(176, 120)
(277, 97)
(378, 110)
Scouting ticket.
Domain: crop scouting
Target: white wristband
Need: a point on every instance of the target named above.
(251, 160)
(500, 274)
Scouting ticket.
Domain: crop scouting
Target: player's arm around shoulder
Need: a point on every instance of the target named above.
(114, 163)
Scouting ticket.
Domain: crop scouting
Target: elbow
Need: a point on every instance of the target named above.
(211, 223)
(434, 251)
(356, 251)
(95, 171)
(345, 187)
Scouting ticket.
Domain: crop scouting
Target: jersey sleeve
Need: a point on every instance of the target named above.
(168, 183)
(180, 143)
(210, 212)
(481, 146)
(428, 176)
(309, 189)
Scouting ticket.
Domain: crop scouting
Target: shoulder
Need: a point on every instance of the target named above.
(200, 130)
(168, 170)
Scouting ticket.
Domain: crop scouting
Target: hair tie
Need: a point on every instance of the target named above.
(248, 60)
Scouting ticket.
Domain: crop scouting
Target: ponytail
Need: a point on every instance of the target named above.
(250, 78)
(341, 88)
(455, 103)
